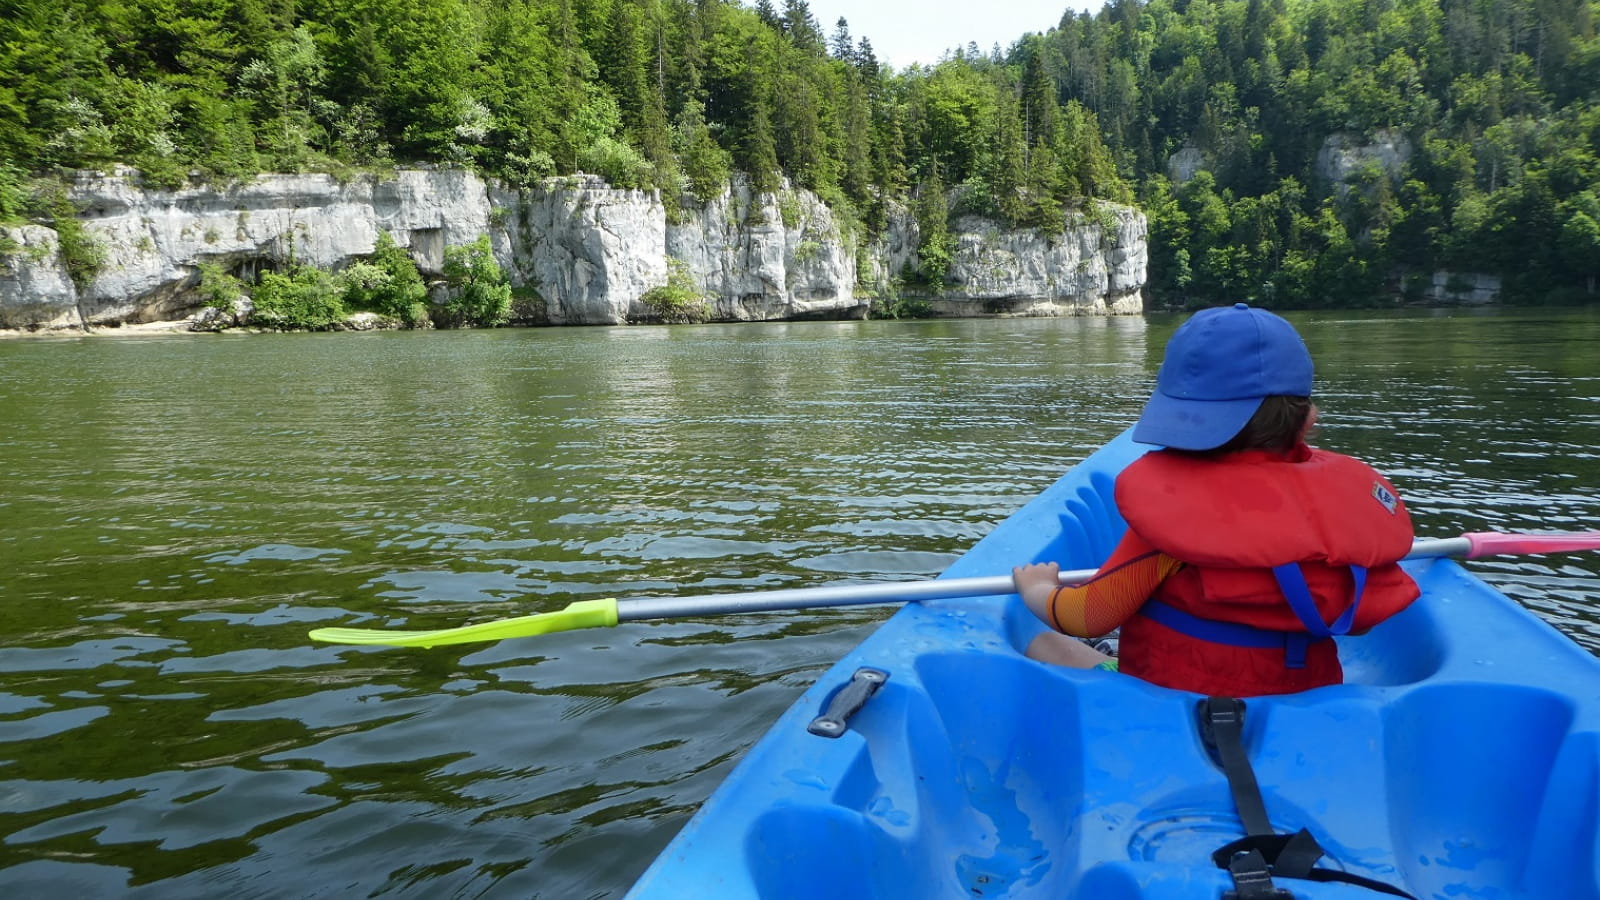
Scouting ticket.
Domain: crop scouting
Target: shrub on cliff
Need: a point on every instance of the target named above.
(219, 289)
(677, 301)
(303, 297)
(81, 253)
(387, 283)
(13, 194)
(889, 303)
(615, 161)
(480, 294)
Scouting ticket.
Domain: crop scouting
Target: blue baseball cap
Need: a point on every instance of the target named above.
(1219, 366)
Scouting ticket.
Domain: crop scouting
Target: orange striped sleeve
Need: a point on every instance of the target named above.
(1115, 593)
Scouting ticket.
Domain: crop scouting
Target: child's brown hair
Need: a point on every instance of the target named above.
(1278, 424)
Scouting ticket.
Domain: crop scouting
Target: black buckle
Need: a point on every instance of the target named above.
(1285, 855)
(1252, 880)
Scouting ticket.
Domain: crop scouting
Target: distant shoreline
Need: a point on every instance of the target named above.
(142, 329)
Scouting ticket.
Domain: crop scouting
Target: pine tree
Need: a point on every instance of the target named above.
(934, 249)
(705, 163)
(857, 163)
(758, 150)
(1008, 175)
(843, 48)
(768, 15)
(568, 85)
(867, 61)
(802, 145)
(801, 26)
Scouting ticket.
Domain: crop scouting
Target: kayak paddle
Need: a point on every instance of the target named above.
(608, 612)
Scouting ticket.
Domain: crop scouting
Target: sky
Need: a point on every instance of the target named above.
(906, 31)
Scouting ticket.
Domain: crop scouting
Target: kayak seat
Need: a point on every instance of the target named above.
(1407, 648)
(949, 792)
(822, 851)
(1445, 791)
(1123, 880)
(1491, 793)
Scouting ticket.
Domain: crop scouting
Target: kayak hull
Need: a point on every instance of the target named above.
(1461, 758)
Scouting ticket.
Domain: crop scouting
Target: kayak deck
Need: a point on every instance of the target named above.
(1461, 759)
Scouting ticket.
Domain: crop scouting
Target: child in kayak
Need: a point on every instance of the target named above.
(1247, 550)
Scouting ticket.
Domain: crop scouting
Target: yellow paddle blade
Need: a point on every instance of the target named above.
(581, 614)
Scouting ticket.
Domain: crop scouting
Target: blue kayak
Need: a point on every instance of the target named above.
(1461, 758)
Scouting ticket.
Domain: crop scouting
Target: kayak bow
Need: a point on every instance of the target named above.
(1460, 758)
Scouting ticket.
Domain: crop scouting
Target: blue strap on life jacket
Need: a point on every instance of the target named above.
(1232, 633)
(1292, 582)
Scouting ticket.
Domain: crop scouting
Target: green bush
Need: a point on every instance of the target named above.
(678, 301)
(480, 294)
(304, 297)
(388, 283)
(219, 289)
(615, 161)
(936, 246)
(13, 194)
(82, 254)
(527, 169)
(889, 303)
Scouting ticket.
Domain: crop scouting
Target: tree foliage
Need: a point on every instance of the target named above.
(1495, 102)
(1479, 121)
(668, 94)
(479, 293)
(387, 283)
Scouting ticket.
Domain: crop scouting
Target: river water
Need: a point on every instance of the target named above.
(178, 510)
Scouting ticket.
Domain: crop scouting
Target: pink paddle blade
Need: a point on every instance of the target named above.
(1489, 543)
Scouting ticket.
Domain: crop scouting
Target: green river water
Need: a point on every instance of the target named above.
(178, 510)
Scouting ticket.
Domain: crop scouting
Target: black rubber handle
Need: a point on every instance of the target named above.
(846, 701)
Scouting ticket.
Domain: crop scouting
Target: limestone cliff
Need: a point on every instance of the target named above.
(1092, 268)
(586, 251)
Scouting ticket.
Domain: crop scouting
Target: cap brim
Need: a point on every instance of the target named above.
(1192, 424)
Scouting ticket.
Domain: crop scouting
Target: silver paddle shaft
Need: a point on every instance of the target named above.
(892, 592)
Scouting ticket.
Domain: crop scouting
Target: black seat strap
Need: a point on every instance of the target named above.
(1222, 730)
(1254, 859)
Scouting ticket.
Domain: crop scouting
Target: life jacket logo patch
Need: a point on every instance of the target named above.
(1385, 496)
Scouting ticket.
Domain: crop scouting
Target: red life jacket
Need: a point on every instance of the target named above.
(1231, 520)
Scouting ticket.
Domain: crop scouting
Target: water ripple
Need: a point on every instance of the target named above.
(168, 731)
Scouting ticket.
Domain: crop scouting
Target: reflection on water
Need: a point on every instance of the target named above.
(180, 510)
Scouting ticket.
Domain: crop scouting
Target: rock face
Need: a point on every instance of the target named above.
(1344, 156)
(769, 256)
(1092, 268)
(1468, 288)
(1183, 164)
(585, 251)
(588, 250)
(34, 284)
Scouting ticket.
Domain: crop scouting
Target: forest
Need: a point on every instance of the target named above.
(1492, 108)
